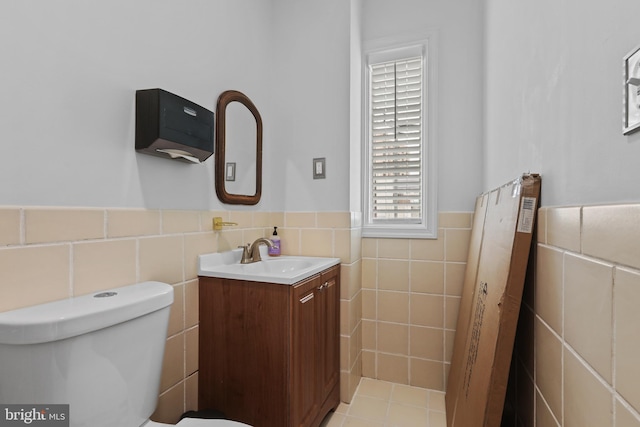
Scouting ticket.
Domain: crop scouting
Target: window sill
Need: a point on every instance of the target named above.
(399, 232)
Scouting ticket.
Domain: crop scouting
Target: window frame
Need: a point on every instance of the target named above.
(381, 51)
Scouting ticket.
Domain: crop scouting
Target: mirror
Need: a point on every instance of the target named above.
(238, 149)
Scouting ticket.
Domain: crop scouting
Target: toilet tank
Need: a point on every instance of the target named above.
(100, 353)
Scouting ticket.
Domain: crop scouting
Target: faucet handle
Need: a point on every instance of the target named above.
(246, 258)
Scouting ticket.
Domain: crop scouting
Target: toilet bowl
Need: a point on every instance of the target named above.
(101, 354)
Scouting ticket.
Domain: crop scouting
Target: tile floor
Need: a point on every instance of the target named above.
(384, 404)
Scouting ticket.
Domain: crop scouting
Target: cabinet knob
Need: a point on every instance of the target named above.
(324, 285)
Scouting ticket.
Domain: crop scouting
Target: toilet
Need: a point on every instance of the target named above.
(100, 353)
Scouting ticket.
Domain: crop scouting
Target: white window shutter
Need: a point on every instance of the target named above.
(396, 140)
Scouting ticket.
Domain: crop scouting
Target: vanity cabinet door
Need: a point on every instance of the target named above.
(315, 348)
(328, 327)
(305, 357)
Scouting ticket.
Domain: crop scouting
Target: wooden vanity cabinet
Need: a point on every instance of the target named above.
(269, 353)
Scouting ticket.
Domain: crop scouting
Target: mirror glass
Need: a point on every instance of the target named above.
(240, 155)
(238, 150)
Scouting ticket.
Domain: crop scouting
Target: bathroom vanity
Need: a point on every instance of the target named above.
(269, 352)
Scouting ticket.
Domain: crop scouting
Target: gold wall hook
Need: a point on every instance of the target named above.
(218, 223)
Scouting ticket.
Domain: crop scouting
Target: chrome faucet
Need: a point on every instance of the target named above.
(251, 252)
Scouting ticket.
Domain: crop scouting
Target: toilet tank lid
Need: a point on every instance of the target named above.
(79, 315)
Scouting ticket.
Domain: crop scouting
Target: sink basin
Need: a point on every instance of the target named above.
(278, 266)
(285, 270)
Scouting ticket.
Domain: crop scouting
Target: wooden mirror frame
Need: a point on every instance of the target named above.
(237, 199)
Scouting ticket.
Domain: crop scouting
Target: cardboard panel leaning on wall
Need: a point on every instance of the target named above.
(471, 271)
(490, 304)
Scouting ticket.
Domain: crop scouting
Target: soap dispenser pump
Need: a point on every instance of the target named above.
(275, 250)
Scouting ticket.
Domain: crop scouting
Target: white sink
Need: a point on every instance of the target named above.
(285, 270)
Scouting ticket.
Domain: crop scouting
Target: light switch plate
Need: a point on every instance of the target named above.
(319, 168)
(230, 174)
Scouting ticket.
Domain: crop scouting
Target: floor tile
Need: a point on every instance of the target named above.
(368, 408)
(373, 388)
(410, 395)
(436, 400)
(407, 416)
(379, 403)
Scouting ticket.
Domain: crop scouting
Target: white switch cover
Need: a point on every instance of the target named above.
(319, 171)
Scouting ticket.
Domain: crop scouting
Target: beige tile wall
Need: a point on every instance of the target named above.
(410, 297)
(399, 296)
(581, 321)
(48, 254)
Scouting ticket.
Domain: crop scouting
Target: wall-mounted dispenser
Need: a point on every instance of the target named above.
(173, 127)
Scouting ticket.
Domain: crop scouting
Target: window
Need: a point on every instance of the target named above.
(399, 184)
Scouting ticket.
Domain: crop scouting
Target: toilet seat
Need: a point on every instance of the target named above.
(197, 422)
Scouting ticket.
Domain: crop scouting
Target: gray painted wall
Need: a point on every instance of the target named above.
(554, 98)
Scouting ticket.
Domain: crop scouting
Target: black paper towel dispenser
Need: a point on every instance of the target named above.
(173, 127)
